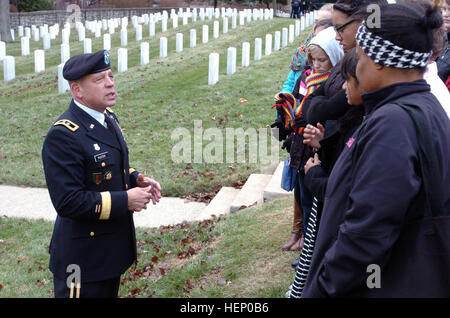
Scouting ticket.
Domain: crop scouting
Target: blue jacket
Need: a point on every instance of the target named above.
(291, 80)
(87, 172)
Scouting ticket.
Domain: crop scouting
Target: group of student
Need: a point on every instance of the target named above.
(364, 117)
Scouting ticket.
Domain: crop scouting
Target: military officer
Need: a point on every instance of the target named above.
(91, 185)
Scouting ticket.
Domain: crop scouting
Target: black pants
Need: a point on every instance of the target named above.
(102, 289)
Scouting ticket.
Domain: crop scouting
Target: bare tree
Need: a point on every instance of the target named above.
(5, 26)
(60, 5)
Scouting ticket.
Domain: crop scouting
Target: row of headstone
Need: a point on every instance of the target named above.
(287, 36)
(48, 33)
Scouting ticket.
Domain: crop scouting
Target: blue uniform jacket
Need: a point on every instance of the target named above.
(87, 172)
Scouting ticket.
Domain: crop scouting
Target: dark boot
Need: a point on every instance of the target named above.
(297, 232)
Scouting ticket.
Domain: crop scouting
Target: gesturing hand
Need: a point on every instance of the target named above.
(138, 198)
(154, 187)
(313, 135)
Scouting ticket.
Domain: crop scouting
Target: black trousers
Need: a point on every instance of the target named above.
(102, 289)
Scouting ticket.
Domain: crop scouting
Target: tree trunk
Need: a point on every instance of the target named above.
(5, 27)
(274, 6)
(60, 5)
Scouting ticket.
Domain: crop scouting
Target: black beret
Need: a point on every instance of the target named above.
(80, 65)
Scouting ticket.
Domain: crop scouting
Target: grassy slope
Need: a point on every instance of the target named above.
(237, 256)
(153, 101)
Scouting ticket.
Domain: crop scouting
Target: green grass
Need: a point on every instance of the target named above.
(153, 101)
(234, 256)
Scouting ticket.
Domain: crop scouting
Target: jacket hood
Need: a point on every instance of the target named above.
(326, 39)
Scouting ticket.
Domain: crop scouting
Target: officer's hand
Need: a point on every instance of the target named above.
(138, 198)
(155, 187)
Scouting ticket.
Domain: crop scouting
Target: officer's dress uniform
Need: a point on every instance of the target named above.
(87, 172)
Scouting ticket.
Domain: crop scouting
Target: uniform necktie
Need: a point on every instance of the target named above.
(109, 125)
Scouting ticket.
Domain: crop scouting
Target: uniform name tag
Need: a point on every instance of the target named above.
(101, 156)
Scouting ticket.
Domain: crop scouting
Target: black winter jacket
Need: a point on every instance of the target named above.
(368, 204)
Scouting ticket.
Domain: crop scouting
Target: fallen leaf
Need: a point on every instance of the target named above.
(222, 281)
(242, 100)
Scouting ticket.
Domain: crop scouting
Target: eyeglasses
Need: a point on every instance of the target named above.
(341, 28)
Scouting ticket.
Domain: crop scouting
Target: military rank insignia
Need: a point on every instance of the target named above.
(108, 175)
(97, 177)
(106, 54)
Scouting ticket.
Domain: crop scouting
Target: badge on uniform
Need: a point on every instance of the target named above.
(96, 147)
(108, 175)
(97, 177)
(100, 156)
(106, 54)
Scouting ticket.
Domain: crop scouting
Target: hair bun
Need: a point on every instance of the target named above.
(433, 19)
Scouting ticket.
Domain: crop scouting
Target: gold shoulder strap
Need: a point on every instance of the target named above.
(68, 124)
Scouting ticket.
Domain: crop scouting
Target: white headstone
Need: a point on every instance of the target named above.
(107, 41)
(213, 74)
(245, 54)
(291, 33)
(164, 25)
(231, 60)
(81, 34)
(258, 49)
(20, 30)
(28, 32)
(122, 60)
(9, 68)
(123, 37)
(65, 53)
(63, 84)
(145, 53)
(2, 50)
(87, 45)
(297, 28)
(36, 35)
(276, 46)
(46, 41)
(193, 38)
(185, 18)
(65, 36)
(268, 49)
(225, 25)
(216, 29)
(151, 29)
(284, 37)
(25, 45)
(98, 30)
(39, 61)
(205, 34)
(175, 21)
(233, 21)
(138, 33)
(179, 42)
(302, 23)
(241, 19)
(163, 47)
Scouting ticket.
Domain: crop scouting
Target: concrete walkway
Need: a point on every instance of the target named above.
(35, 203)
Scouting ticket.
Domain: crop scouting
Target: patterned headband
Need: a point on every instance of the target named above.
(386, 53)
